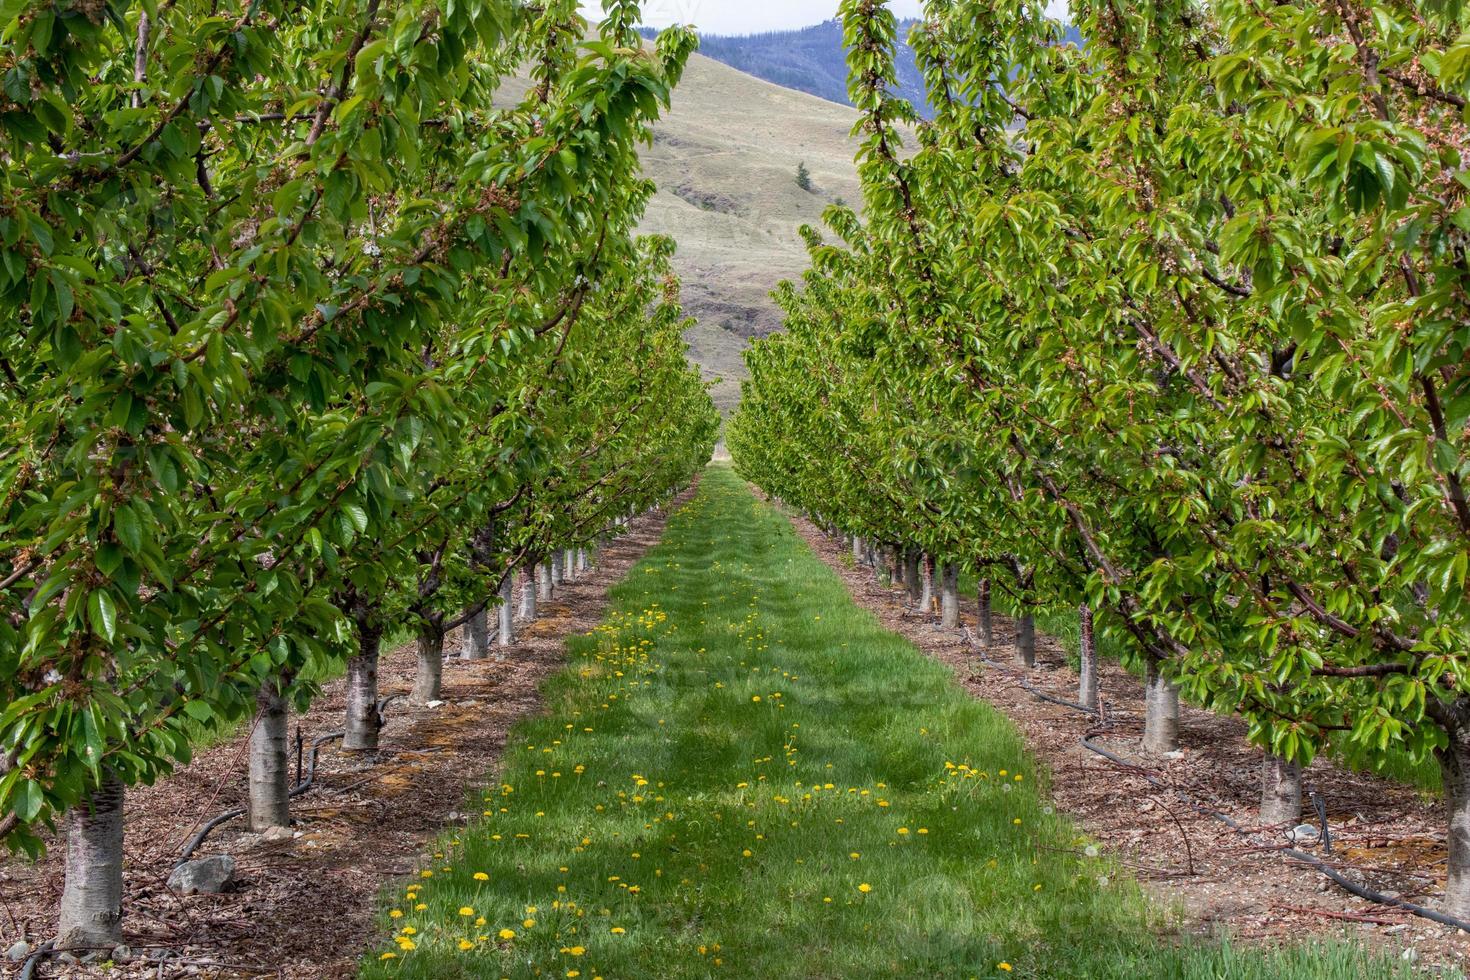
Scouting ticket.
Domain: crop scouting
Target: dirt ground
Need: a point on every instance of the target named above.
(1385, 835)
(306, 906)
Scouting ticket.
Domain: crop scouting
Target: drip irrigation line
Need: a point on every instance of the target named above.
(34, 960)
(1311, 860)
(304, 786)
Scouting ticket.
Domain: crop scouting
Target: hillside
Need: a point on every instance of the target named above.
(812, 60)
(725, 162)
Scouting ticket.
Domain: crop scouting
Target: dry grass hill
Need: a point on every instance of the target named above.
(725, 162)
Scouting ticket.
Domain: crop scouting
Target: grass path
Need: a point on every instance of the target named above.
(741, 775)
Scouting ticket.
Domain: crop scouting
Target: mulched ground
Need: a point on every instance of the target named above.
(307, 906)
(1390, 835)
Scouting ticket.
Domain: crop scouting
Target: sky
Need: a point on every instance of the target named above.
(753, 16)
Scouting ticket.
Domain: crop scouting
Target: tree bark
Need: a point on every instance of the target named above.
(362, 723)
(428, 675)
(1087, 654)
(1161, 711)
(269, 803)
(582, 563)
(91, 899)
(476, 644)
(1026, 639)
(530, 582)
(557, 576)
(949, 596)
(507, 635)
(857, 550)
(569, 565)
(913, 578)
(1281, 791)
(543, 581)
(1454, 765)
(986, 625)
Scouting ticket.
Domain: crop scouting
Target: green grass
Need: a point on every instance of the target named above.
(730, 759)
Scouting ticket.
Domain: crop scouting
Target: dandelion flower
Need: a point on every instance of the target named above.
(481, 876)
(466, 911)
(507, 934)
(1003, 965)
(388, 956)
(865, 888)
(617, 930)
(528, 923)
(396, 914)
(465, 944)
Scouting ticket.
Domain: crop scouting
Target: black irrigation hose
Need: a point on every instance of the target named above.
(1362, 891)
(302, 787)
(34, 960)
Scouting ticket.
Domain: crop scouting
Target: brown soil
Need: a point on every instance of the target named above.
(1386, 835)
(307, 906)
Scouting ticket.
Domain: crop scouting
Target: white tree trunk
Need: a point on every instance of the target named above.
(1161, 711)
(543, 581)
(269, 803)
(857, 550)
(913, 578)
(557, 576)
(1281, 791)
(507, 635)
(582, 563)
(569, 565)
(985, 625)
(476, 642)
(1454, 765)
(949, 596)
(530, 581)
(91, 900)
(361, 728)
(1026, 640)
(1087, 657)
(428, 675)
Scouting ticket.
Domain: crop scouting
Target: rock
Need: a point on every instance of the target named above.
(433, 704)
(453, 816)
(121, 954)
(1303, 833)
(1395, 930)
(206, 876)
(18, 952)
(276, 834)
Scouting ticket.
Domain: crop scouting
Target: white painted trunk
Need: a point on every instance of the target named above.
(949, 596)
(1281, 791)
(530, 581)
(569, 565)
(1454, 765)
(1087, 655)
(507, 634)
(913, 578)
(1026, 640)
(476, 642)
(1161, 711)
(428, 675)
(556, 570)
(857, 550)
(91, 899)
(985, 625)
(361, 728)
(543, 581)
(269, 802)
(582, 563)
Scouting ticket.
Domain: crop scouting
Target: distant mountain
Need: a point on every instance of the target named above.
(814, 60)
(811, 60)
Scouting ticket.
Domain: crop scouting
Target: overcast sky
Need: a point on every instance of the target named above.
(751, 16)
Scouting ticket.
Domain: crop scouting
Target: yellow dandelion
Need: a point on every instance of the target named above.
(466, 911)
(465, 944)
(396, 914)
(507, 934)
(617, 930)
(1003, 965)
(865, 888)
(481, 876)
(388, 956)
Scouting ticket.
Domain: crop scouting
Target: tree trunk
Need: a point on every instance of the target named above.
(557, 576)
(949, 596)
(857, 550)
(986, 627)
(507, 636)
(476, 645)
(569, 565)
(1026, 639)
(428, 675)
(913, 578)
(530, 581)
(543, 581)
(1454, 766)
(1161, 711)
(91, 900)
(361, 728)
(1087, 654)
(269, 803)
(1281, 791)
(582, 563)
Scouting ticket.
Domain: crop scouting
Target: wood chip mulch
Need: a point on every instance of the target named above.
(307, 906)
(1207, 878)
